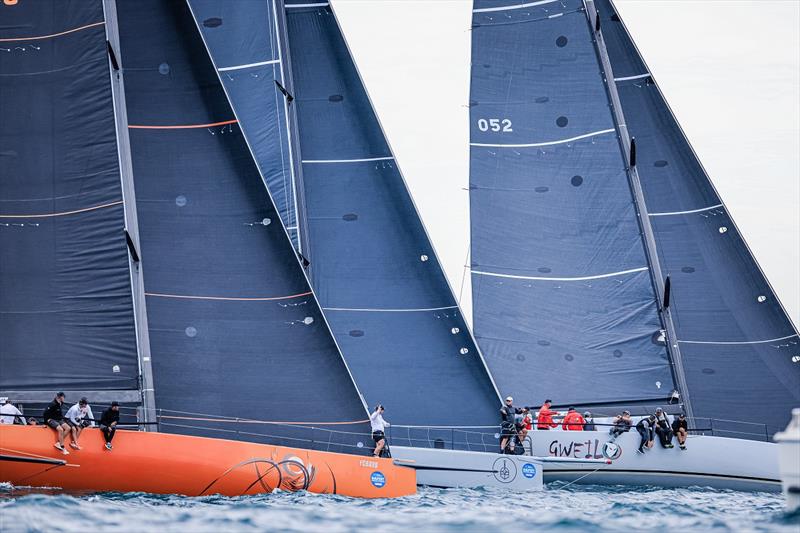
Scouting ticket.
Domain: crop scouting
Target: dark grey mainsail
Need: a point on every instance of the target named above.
(66, 307)
(564, 304)
(235, 330)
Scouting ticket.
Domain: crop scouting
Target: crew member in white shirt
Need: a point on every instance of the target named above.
(78, 417)
(378, 426)
(9, 414)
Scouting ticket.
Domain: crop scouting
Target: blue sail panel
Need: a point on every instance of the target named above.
(243, 42)
(66, 308)
(235, 330)
(736, 340)
(372, 265)
(563, 300)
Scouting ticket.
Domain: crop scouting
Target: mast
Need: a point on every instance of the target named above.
(146, 385)
(657, 277)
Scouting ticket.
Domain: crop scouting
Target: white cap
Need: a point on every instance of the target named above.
(3, 399)
(509, 399)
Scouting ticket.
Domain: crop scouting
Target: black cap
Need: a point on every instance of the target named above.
(548, 401)
(60, 395)
(115, 404)
(83, 401)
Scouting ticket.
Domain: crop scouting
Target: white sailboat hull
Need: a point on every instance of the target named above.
(455, 468)
(708, 461)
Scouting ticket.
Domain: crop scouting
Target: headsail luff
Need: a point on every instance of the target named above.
(235, 330)
(736, 340)
(372, 264)
(66, 309)
(564, 306)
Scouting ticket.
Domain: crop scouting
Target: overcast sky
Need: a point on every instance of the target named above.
(730, 69)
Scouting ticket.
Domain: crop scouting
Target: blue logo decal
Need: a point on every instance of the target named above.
(529, 470)
(378, 479)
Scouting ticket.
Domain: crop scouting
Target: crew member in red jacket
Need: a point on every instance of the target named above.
(545, 419)
(573, 421)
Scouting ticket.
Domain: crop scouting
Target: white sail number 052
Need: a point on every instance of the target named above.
(495, 124)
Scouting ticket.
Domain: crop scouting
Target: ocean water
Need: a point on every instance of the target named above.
(558, 508)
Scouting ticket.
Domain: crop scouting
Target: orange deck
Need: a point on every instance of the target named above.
(175, 464)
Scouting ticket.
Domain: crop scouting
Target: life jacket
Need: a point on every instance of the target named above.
(573, 421)
(545, 419)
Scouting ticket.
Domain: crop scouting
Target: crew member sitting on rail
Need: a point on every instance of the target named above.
(54, 418)
(78, 417)
(379, 425)
(645, 429)
(573, 421)
(663, 429)
(9, 414)
(545, 418)
(508, 428)
(108, 423)
(622, 424)
(681, 430)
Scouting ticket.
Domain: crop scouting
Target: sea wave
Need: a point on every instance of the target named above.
(559, 508)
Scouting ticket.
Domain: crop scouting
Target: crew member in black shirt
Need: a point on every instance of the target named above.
(508, 425)
(681, 430)
(54, 418)
(108, 423)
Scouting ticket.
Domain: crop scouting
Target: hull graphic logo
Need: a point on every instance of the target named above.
(529, 470)
(378, 479)
(612, 450)
(505, 470)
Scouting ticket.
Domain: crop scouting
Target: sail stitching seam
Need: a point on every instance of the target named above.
(59, 34)
(582, 278)
(547, 143)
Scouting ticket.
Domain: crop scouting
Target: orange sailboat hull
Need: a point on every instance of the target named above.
(194, 466)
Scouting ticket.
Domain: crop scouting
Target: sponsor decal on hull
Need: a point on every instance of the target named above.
(529, 470)
(587, 449)
(378, 479)
(505, 470)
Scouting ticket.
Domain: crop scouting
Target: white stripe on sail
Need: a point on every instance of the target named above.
(517, 6)
(685, 212)
(637, 77)
(739, 342)
(582, 278)
(249, 65)
(296, 6)
(389, 158)
(389, 310)
(548, 143)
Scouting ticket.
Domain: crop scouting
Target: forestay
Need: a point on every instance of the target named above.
(66, 308)
(564, 305)
(740, 351)
(372, 264)
(234, 328)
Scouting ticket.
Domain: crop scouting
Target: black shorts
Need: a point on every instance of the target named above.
(53, 423)
(507, 430)
(378, 436)
(71, 424)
